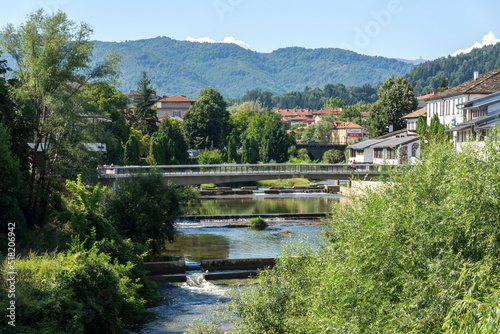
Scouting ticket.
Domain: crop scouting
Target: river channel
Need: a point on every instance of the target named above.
(185, 303)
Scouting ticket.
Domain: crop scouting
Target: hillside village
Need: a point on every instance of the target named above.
(469, 110)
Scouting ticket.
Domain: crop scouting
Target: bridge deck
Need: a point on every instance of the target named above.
(196, 174)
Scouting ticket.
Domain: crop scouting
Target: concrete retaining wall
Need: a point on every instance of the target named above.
(160, 268)
(238, 264)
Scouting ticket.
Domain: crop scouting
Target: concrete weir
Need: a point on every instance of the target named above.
(175, 271)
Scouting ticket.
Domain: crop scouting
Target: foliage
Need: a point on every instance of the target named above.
(269, 132)
(397, 259)
(207, 122)
(81, 291)
(174, 131)
(396, 99)
(333, 157)
(443, 84)
(11, 187)
(143, 208)
(257, 223)
(144, 117)
(161, 151)
(335, 102)
(432, 133)
(320, 131)
(250, 151)
(210, 157)
(51, 53)
(132, 151)
(456, 69)
(181, 67)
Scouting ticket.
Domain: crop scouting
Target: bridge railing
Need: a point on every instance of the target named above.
(227, 169)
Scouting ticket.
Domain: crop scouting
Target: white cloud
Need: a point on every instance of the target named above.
(200, 40)
(488, 39)
(229, 39)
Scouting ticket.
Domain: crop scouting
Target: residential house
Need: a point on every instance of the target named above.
(381, 149)
(174, 106)
(343, 132)
(446, 104)
(412, 119)
(480, 117)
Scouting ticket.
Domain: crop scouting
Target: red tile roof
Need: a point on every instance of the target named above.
(176, 98)
(346, 125)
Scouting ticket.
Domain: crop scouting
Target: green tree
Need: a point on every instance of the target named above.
(418, 254)
(396, 99)
(132, 151)
(143, 208)
(11, 186)
(335, 102)
(376, 122)
(174, 131)
(232, 154)
(333, 156)
(144, 118)
(270, 133)
(210, 157)
(443, 84)
(50, 53)
(250, 151)
(207, 122)
(162, 149)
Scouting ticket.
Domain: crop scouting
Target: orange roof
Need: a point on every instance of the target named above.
(176, 98)
(346, 125)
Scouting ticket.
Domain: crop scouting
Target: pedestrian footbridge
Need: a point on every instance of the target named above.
(228, 173)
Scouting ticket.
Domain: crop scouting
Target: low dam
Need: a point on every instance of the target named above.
(177, 271)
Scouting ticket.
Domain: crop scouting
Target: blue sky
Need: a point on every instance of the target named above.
(406, 29)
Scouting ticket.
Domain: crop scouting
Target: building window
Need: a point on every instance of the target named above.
(360, 152)
(391, 153)
(177, 114)
(352, 153)
(378, 153)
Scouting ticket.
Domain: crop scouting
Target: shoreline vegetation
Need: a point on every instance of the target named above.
(419, 253)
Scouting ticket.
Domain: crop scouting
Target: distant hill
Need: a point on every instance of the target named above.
(457, 69)
(182, 67)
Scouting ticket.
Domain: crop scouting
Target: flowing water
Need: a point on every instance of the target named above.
(185, 303)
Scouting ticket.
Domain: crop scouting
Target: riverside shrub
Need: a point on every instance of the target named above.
(81, 291)
(396, 260)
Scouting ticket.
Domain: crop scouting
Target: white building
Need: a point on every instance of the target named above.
(446, 104)
(481, 116)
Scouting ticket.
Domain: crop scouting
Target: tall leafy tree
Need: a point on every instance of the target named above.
(376, 122)
(132, 151)
(51, 52)
(173, 131)
(207, 122)
(145, 117)
(396, 99)
(162, 149)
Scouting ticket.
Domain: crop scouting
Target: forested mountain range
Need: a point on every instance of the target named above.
(456, 69)
(182, 67)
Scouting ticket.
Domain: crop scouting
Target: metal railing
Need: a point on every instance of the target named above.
(242, 169)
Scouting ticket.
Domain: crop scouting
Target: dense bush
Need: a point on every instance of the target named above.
(333, 156)
(210, 157)
(420, 254)
(143, 208)
(78, 292)
(257, 223)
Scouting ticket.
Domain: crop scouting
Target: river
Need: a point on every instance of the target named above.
(183, 304)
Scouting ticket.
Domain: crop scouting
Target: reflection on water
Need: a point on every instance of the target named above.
(187, 302)
(260, 204)
(196, 244)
